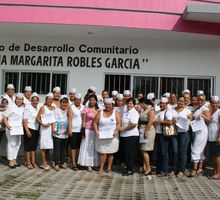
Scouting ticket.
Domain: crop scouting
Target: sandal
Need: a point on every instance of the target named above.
(89, 169)
(199, 172)
(193, 173)
(46, 168)
(147, 173)
(29, 166)
(75, 168)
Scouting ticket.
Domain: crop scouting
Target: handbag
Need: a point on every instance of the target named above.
(168, 130)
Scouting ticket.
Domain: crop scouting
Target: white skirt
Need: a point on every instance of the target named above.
(88, 156)
(198, 146)
(46, 139)
(107, 146)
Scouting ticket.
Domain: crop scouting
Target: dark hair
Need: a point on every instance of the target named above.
(95, 97)
(4, 99)
(145, 100)
(104, 91)
(181, 96)
(131, 100)
(36, 97)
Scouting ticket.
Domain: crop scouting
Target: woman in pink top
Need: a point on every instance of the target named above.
(88, 156)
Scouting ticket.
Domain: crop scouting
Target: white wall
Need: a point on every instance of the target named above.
(175, 58)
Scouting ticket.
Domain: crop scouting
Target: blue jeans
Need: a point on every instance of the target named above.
(162, 144)
(179, 147)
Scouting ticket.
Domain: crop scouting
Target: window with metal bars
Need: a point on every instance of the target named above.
(206, 85)
(117, 82)
(42, 83)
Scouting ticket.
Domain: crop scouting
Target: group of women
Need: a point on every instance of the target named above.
(97, 130)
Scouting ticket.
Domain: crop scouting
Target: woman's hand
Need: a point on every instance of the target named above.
(28, 134)
(121, 129)
(46, 125)
(9, 127)
(218, 140)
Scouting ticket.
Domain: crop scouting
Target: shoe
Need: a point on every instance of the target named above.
(180, 175)
(46, 168)
(29, 166)
(162, 174)
(101, 172)
(171, 173)
(57, 168)
(109, 172)
(12, 166)
(17, 165)
(199, 172)
(128, 173)
(147, 173)
(63, 166)
(75, 168)
(193, 173)
(89, 169)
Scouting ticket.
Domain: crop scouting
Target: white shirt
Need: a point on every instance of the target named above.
(130, 116)
(14, 114)
(77, 118)
(183, 114)
(30, 114)
(160, 116)
(214, 126)
(26, 101)
(10, 101)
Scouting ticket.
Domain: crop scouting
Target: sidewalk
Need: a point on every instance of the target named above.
(21, 183)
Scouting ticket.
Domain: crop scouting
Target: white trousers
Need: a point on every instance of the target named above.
(198, 146)
(14, 143)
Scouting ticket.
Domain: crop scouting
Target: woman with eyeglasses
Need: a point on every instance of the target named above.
(201, 115)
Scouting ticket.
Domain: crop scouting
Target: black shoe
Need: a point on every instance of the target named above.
(12, 166)
(128, 173)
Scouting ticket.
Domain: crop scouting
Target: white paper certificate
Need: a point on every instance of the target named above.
(17, 130)
(142, 139)
(182, 123)
(106, 133)
(48, 118)
(197, 125)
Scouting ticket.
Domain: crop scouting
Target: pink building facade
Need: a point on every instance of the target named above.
(141, 45)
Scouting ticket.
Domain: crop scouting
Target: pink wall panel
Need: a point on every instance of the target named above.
(105, 18)
(175, 6)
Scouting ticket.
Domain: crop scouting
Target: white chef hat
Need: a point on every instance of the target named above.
(119, 96)
(186, 91)
(150, 96)
(56, 89)
(114, 93)
(108, 100)
(21, 95)
(49, 95)
(166, 94)
(92, 88)
(64, 96)
(126, 92)
(164, 100)
(214, 98)
(10, 86)
(78, 95)
(73, 90)
(34, 95)
(28, 88)
(199, 92)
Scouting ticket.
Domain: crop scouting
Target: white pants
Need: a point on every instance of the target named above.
(198, 146)
(14, 143)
